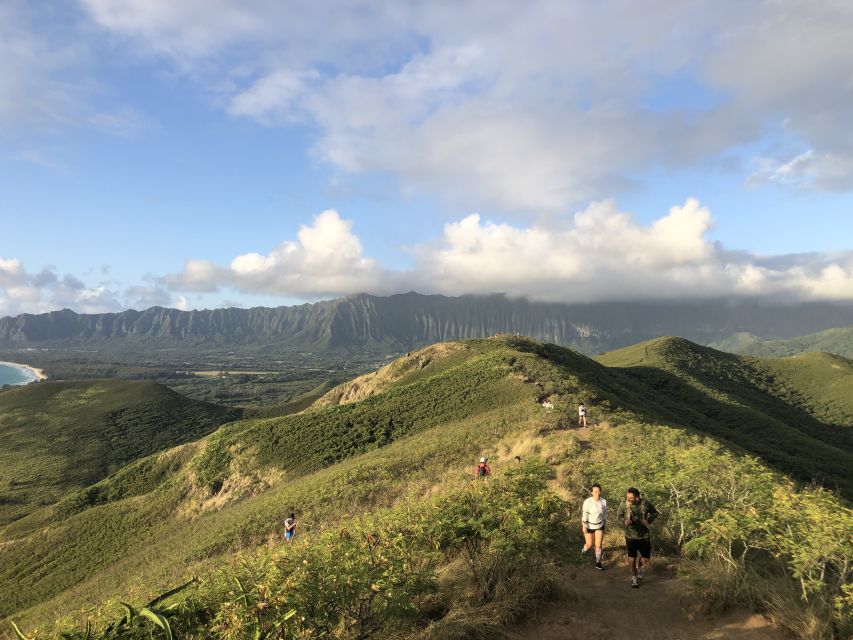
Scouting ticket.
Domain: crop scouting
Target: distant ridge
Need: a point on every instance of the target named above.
(836, 340)
(410, 320)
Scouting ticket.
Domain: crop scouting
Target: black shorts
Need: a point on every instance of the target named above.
(644, 546)
(594, 530)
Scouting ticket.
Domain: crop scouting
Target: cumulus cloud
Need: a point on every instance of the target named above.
(600, 253)
(327, 259)
(24, 292)
(597, 254)
(527, 110)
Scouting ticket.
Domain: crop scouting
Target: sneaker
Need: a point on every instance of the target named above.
(584, 549)
(635, 581)
(598, 565)
(639, 575)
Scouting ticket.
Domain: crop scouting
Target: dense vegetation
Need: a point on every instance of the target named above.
(385, 459)
(118, 538)
(797, 415)
(750, 535)
(58, 437)
(837, 340)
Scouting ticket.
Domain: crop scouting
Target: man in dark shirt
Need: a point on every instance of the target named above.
(637, 514)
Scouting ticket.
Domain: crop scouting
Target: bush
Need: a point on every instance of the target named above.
(378, 574)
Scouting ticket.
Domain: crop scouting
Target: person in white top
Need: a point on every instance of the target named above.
(593, 519)
(582, 415)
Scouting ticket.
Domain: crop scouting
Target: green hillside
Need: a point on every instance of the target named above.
(796, 414)
(438, 409)
(838, 341)
(397, 542)
(58, 437)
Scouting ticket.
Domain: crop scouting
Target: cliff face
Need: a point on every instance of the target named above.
(409, 320)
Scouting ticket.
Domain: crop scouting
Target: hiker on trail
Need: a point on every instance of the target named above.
(637, 514)
(518, 459)
(482, 469)
(582, 415)
(593, 519)
(290, 528)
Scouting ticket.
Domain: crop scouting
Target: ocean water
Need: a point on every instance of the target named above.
(10, 374)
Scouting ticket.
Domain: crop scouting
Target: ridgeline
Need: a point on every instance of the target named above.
(396, 541)
(403, 322)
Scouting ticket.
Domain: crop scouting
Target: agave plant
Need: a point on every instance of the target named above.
(151, 613)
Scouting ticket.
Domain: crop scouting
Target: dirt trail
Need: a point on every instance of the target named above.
(602, 605)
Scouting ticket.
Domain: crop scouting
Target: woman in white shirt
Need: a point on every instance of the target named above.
(593, 519)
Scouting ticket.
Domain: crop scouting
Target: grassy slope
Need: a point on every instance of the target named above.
(411, 431)
(838, 341)
(56, 437)
(796, 414)
(233, 488)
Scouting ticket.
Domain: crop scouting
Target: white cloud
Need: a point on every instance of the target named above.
(598, 254)
(36, 89)
(271, 98)
(122, 122)
(25, 292)
(327, 259)
(143, 297)
(49, 83)
(825, 171)
(528, 110)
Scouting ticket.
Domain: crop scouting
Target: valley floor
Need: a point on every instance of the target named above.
(602, 605)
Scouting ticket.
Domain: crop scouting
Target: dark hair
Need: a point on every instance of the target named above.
(293, 515)
(634, 492)
(518, 457)
(596, 485)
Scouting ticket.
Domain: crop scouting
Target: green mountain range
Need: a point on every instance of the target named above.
(395, 541)
(403, 322)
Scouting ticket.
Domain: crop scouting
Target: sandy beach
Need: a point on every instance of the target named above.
(32, 372)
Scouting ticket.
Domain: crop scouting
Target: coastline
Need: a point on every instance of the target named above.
(35, 374)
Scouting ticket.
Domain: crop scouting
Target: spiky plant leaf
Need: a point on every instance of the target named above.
(18, 632)
(131, 613)
(159, 620)
(170, 593)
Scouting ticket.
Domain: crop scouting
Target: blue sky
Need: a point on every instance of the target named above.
(201, 154)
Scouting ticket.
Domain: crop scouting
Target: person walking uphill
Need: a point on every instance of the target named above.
(290, 528)
(637, 514)
(593, 520)
(482, 469)
(582, 415)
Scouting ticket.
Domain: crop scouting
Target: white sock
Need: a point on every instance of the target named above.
(598, 555)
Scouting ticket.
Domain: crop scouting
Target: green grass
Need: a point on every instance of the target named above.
(441, 418)
(838, 341)
(61, 436)
(796, 414)
(418, 425)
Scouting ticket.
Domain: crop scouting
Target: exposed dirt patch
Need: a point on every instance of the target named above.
(378, 381)
(602, 604)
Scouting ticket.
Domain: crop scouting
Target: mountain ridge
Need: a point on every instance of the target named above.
(412, 429)
(405, 321)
